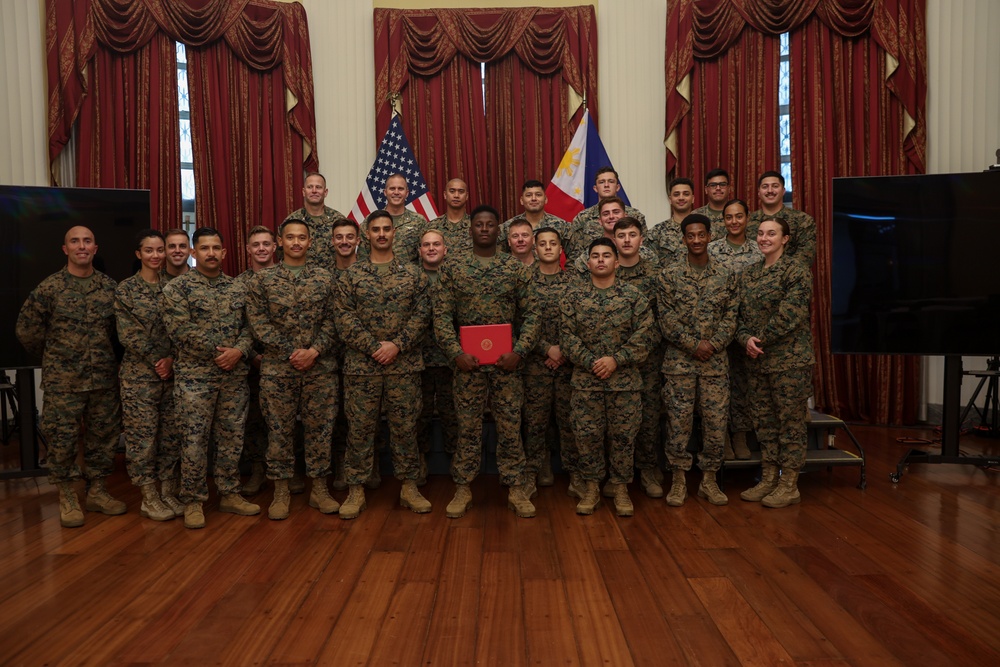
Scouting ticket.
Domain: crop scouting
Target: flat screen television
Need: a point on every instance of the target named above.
(33, 221)
(916, 264)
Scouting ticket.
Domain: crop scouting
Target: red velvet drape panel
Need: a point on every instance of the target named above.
(427, 57)
(111, 65)
(528, 132)
(127, 137)
(444, 121)
(240, 183)
(734, 102)
(849, 117)
(846, 122)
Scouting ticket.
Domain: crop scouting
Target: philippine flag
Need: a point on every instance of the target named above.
(572, 187)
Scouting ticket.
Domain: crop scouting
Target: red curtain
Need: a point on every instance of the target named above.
(100, 50)
(430, 59)
(850, 116)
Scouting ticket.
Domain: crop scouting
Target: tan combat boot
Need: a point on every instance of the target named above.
(768, 483)
(650, 484)
(256, 481)
(461, 503)
(709, 489)
(410, 498)
(517, 500)
(296, 484)
(678, 488)
(727, 448)
(623, 504)
(786, 493)
(152, 507)
(545, 476)
(99, 500)
(70, 514)
(590, 499)
(355, 503)
(576, 485)
(168, 494)
(320, 498)
(740, 448)
(530, 486)
(194, 516)
(234, 503)
(282, 499)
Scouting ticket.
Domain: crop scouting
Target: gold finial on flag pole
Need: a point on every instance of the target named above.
(394, 98)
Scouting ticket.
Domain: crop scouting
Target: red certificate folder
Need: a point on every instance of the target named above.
(486, 342)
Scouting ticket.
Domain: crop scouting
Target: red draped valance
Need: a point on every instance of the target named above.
(706, 29)
(424, 42)
(261, 33)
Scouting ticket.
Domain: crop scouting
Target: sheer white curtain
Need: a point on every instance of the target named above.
(23, 117)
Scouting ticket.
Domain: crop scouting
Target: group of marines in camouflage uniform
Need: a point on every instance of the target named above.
(365, 322)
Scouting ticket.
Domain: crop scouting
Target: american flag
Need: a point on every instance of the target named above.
(394, 157)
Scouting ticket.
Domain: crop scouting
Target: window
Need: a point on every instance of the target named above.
(784, 115)
(187, 150)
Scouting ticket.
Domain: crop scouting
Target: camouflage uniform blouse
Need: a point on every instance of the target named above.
(774, 307)
(593, 215)
(550, 292)
(802, 237)
(288, 312)
(548, 220)
(737, 258)
(139, 312)
(616, 322)
(321, 250)
(695, 306)
(433, 356)
(376, 303)
(70, 323)
(457, 235)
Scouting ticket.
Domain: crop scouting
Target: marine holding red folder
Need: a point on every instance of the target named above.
(478, 288)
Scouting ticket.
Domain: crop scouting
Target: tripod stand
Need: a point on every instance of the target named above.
(991, 379)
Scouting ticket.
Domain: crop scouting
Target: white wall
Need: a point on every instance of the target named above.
(963, 115)
(23, 119)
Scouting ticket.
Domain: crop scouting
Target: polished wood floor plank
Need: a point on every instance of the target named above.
(893, 575)
(353, 637)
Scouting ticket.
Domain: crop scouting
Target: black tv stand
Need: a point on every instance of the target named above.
(951, 426)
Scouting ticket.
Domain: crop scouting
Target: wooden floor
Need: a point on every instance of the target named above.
(894, 575)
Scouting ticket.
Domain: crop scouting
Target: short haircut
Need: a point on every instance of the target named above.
(533, 183)
(610, 200)
(485, 208)
(147, 234)
(716, 172)
(735, 202)
(606, 169)
(626, 223)
(292, 221)
(785, 231)
(176, 231)
(771, 174)
(261, 229)
(683, 180)
(379, 213)
(314, 173)
(548, 230)
(602, 240)
(345, 222)
(433, 230)
(518, 222)
(695, 219)
(205, 231)
(398, 175)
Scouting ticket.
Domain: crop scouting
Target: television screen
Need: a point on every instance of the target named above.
(915, 265)
(33, 221)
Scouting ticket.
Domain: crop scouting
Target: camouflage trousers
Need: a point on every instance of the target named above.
(212, 410)
(365, 399)
(545, 397)
(255, 438)
(506, 395)
(780, 400)
(709, 395)
(436, 382)
(740, 413)
(313, 398)
(611, 416)
(340, 428)
(62, 413)
(152, 441)
(647, 441)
